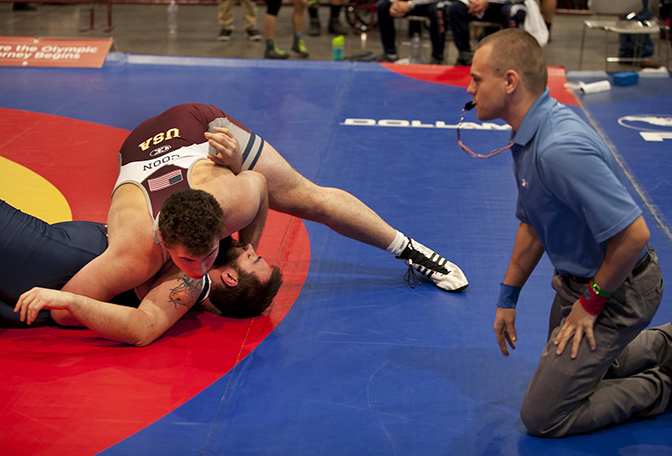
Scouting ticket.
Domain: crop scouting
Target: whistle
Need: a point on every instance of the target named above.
(469, 106)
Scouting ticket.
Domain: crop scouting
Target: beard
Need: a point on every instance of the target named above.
(229, 251)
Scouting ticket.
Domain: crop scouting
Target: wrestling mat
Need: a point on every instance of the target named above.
(350, 361)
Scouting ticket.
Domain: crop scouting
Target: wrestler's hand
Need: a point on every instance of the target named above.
(578, 323)
(227, 148)
(505, 329)
(36, 299)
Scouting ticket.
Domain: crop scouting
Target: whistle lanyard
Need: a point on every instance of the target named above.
(469, 152)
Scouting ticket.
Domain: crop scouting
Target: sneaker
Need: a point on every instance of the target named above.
(436, 61)
(300, 48)
(336, 28)
(274, 52)
(23, 7)
(389, 58)
(650, 63)
(253, 35)
(433, 266)
(315, 28)
(224, 35)
(464, 58)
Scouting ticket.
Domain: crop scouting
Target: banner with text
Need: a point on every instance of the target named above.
(53, 52)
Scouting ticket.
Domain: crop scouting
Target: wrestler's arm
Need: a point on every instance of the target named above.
(253, 187)
(169, 299)
(112, 273)
(131, 259)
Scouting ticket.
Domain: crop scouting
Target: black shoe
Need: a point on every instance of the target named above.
(224, 35)
(388, 58)
(23, 7)
(336, 28)
(464, 58)
(436, 61)
(315, 28)
(253, 35)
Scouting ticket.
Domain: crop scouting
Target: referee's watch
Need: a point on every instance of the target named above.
(411, 5)
(599, 291)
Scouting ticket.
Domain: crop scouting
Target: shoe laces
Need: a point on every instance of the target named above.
(418, 258)
(411, 278)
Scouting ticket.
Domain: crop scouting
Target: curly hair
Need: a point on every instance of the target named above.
(192, 219)
(249, 298)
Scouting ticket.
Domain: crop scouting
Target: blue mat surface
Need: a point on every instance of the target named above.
(362, 364)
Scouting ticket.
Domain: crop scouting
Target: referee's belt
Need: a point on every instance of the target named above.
(637, 270)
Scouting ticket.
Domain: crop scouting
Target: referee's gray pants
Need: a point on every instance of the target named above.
(620, 379)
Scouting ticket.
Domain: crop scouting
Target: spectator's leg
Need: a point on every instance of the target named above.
(315, 28)
(250, 18)
(270, 23)
(459, 24)
(548, 8)
(437, 28)
(298, 21)
(225, 19)
(387, 32)
(335, 25)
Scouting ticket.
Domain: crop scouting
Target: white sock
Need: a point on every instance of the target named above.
(398, 244)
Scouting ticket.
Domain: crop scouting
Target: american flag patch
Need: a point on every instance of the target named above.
(165, 181)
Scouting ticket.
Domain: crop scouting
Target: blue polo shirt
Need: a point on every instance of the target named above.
(569, 188)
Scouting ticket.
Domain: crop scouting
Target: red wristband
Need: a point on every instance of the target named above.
(592, 302)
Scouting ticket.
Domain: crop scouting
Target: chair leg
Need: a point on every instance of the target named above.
(639, 49)
(583, 40)
(606, 51)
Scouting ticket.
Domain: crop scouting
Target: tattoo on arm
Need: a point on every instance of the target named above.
(186, 293)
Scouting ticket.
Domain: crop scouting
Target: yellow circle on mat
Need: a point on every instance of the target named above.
(31, 193)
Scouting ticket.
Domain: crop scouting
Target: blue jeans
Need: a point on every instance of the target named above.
(437, 26)
(496, 12)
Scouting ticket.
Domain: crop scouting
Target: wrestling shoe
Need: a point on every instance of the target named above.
(433, 266)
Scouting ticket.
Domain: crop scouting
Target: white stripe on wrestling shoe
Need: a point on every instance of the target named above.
(433, 266)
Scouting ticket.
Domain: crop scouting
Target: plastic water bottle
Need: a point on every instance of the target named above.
(172, 17)
(416, 49)
(337, 47)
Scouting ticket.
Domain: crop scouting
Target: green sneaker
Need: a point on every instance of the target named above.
(274, 52)
(300, 48)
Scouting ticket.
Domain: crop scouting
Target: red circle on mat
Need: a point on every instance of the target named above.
(72, 392)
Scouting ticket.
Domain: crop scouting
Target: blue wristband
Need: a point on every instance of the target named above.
(508, 296)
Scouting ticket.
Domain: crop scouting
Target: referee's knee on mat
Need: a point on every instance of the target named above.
(539, 420)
